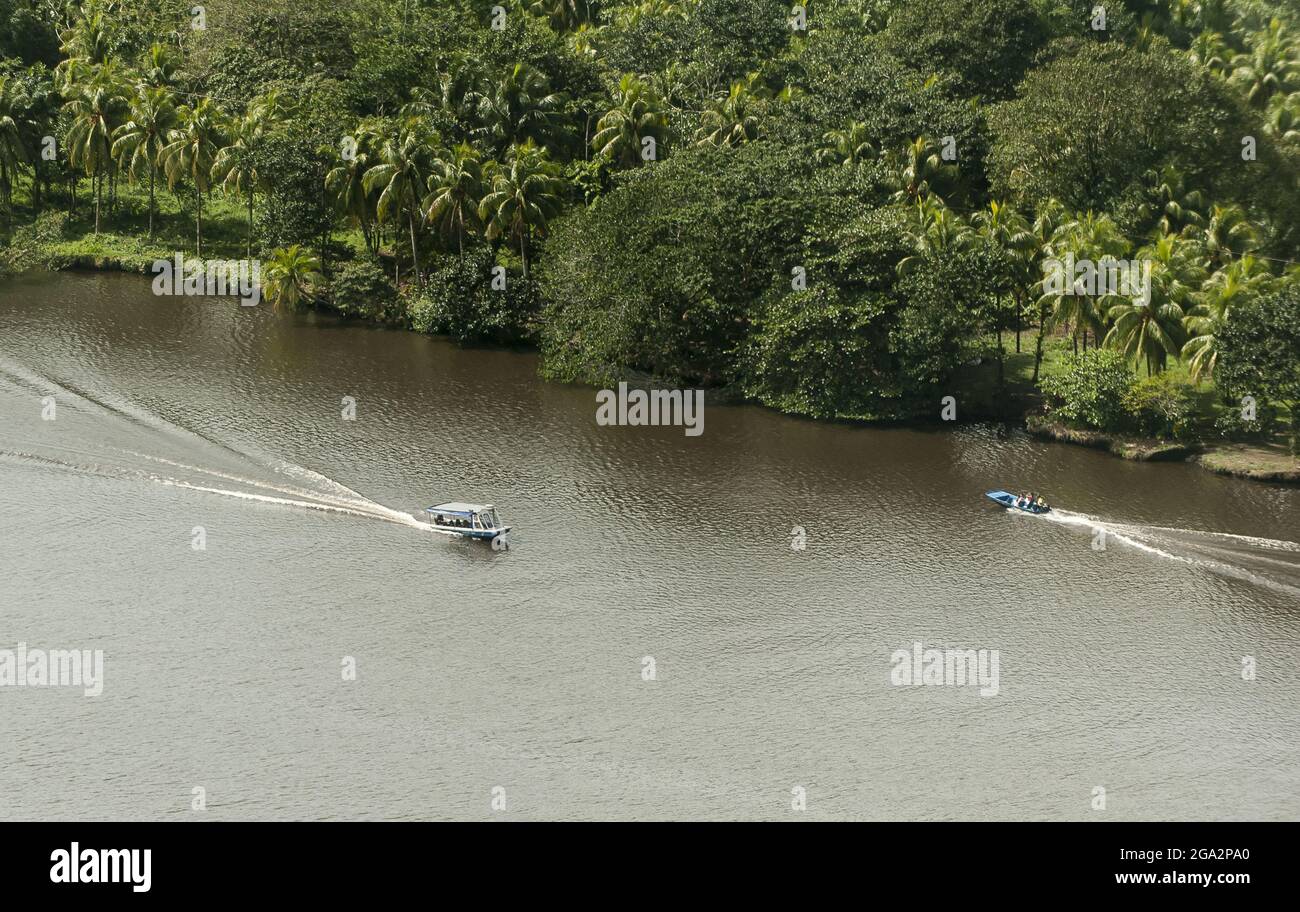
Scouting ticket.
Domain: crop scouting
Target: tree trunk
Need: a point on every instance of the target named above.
(1002, 362)
(250, 223)
(98, 183)
(198, 224)
(1019, 321)
(415, 257)
(153, 174)
(1038, 345)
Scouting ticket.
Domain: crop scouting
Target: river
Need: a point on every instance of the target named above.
(200, 510)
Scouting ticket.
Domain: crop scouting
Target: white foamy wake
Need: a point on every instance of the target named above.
(356, 505)
(395, 516)
(305, 487)
(1273, 543)
(1156, 540)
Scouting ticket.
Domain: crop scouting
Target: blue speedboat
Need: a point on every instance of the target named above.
(468, 520)
(1015, 502)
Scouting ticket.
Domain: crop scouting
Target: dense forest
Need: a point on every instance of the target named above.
(841, 208)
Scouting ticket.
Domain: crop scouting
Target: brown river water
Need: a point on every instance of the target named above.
(1147, 630)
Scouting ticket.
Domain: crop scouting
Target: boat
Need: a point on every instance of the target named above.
(469, 521)
(1015, 503)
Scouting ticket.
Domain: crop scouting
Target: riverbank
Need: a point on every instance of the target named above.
(60, 246)
(1259, 462)
(1270, 462)
(1133, 448)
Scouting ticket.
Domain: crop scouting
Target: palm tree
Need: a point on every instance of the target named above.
(455, 94)
(13, 154)
(93, 111)
(564, 15)
(582, 41)
(1208, 49)
(455, 189)
(1214, 15)
(1229, 288)
(88, 40)
(158, 67)
(189, 153)
(1268, 65)
(346, 184)
(518, 108)
(1179, 206)
(34, 107)
(628, 17)
(1149, 327)
(849, 145)
(936, 230)
(525, 195)
(141, 139)
(290, 272)
(1283, 118)
(1045, 230)
(236, 163)
(1097, 240)
(399, 177)
(637, 114)
(1005, 231)
(913, 169)
(1226, 235)
(730, 121)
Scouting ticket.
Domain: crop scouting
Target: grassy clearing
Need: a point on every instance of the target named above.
(1262, 462)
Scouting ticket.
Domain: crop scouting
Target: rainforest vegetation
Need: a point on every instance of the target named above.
(838, 208)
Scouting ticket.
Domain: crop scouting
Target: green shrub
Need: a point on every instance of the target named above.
(361, 288)
(50, 226)
(1160, 406)
(1232, 426)
(29, 246)
(1091, 391)
(1259, 354)
(814, 353)
(459, 300)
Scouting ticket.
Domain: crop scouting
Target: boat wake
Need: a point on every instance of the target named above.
(127, 442)
(1269, 562)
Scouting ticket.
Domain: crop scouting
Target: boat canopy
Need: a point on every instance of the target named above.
(458, 509)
